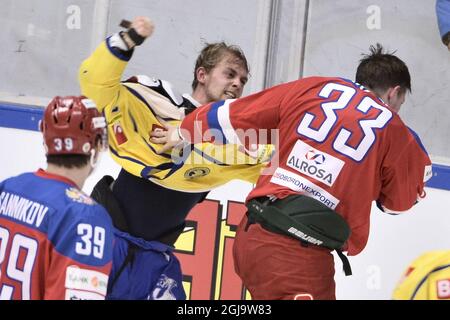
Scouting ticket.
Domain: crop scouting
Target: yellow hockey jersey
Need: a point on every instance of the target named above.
(131, 110)
(427, 278)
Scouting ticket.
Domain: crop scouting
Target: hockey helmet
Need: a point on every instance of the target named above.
(72, 125)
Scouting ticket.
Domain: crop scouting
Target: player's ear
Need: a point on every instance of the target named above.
(397, 90)
(201, 73)
(391, 94)
(94, 157)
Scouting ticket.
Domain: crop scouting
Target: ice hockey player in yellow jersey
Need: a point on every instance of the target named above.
(132, 109)
(153, 194)
(426, 278)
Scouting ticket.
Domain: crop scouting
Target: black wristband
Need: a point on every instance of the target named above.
(137, 39)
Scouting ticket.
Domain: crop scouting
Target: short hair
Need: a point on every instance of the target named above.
(69, 161)
(211, 55)
(381, 70)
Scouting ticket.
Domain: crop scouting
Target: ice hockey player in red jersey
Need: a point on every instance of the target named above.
(341, 146)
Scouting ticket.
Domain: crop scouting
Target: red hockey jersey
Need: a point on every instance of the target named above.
(336, 142)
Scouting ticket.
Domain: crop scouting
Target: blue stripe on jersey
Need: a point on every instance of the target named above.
(209, 158)
(113, 151)
(350, 82)
(425, 279)
(137, 95)
(361, 87)
(146, 172)
(135, 128)
(174, 165)
(419, 142)
(213, 120)
(119, 54)
(165, 155)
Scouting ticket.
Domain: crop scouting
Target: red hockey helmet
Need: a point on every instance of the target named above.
(72, 125)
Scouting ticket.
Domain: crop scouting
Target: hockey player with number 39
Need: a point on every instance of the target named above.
(55, 241)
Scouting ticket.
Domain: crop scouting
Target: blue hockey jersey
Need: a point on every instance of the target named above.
(55, 241)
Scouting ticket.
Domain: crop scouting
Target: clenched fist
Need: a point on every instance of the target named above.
(143, 26)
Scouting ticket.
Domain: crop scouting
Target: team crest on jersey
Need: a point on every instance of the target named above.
(78, 196)
(314, 163)
(196, 172)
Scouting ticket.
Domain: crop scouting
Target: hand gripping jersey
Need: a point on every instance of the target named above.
(131, 109)
(426, 278)
(338, 143)
(55, 242)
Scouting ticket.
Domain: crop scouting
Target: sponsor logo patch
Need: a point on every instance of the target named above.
(86, 280)
(302, 185)
(89, 104)
(428, 173)
(82, 295)
(99, 122)
(314, 163)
